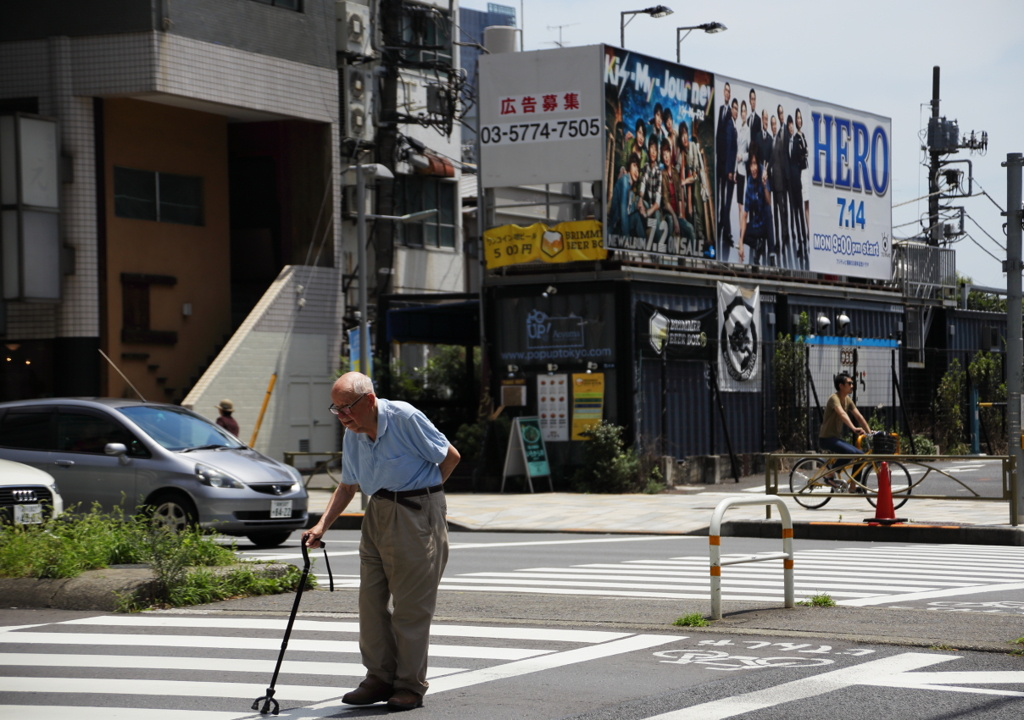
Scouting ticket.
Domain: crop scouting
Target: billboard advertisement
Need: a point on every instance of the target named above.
(540, 117)
(660, 167)
(801, 184)
(693, 164)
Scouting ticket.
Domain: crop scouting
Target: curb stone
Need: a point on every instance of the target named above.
(101, 590)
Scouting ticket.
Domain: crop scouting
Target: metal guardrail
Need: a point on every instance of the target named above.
(773, 467)
(322, 466)
(715, 542)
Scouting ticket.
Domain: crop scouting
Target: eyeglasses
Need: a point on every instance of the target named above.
(347, 409)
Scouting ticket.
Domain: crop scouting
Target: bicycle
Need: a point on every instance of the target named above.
(813, 480)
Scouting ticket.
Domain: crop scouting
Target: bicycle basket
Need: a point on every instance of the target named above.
(885, 443)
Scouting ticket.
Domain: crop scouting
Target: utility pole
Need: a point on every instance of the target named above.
(1014, 349)
(934, 227)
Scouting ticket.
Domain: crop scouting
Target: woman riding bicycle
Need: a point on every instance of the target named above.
(838, 413)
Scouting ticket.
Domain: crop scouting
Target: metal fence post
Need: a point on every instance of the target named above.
(715, 542)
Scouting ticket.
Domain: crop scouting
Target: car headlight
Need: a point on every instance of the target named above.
(296, 476)
(216, 478)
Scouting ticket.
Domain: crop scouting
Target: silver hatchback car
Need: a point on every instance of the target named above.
(135, 455)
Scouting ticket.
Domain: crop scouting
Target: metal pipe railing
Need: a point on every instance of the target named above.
(715, 542)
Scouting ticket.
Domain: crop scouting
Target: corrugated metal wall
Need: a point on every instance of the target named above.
(692, 424)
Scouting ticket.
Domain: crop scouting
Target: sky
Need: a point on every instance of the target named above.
(870, 55)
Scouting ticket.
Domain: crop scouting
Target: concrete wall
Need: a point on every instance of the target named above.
(302, 345)
(306, 37)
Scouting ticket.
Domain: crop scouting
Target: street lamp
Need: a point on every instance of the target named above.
(657, 11)
(711, 27)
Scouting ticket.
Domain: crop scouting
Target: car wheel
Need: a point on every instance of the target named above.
(269, 539)
(173, 511)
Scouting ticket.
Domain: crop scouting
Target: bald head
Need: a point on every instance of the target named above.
(353, 382)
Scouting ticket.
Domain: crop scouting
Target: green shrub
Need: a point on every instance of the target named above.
(949, 426)
(204, 586)
(610, 468)
(790, 386)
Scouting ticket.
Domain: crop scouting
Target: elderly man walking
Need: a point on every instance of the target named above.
(393, 454)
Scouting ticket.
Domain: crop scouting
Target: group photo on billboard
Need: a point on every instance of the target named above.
(660, 153)
(800, 185)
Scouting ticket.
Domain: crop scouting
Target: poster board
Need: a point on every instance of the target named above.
(587, 402)
(553, 404)
(526, 453)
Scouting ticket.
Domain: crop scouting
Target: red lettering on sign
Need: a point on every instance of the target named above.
(508, 106)
(572, 101)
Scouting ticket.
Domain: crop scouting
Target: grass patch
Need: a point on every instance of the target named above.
(67, 546)
(818, 600)
(940, 646)
(692, 620)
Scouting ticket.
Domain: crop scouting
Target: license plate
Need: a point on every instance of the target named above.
(28, 514)
(280, 509)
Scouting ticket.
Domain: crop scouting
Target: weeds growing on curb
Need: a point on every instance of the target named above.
(692, 620)
(819, 600)
(941, 646)
(75, 542)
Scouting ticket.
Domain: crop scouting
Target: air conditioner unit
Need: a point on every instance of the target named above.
(353, 28)
(357, 101)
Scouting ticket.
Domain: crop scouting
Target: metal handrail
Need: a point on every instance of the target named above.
(289, 459)
(773, 467)
(715, 542)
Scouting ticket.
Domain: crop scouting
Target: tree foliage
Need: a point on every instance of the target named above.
(788, 373)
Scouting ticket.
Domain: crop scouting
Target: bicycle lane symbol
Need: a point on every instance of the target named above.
(726, 661)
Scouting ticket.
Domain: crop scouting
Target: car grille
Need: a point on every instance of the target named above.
(270, 489)
(28, 495)
(265, 515)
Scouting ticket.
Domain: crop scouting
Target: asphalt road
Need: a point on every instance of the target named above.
(211, 665)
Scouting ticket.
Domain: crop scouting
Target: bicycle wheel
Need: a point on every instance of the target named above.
(899, 479)
(806, 481)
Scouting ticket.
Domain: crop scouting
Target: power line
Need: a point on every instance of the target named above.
(1001, 247)
(984, 249)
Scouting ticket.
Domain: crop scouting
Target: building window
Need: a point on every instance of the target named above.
(135, 306)
(163, 197)
(415, 193)
(295, 5)
(426, 34)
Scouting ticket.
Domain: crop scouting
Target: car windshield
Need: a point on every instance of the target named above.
(179, 429)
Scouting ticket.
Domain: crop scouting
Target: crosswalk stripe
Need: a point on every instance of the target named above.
(165, 688)
(265, 644)
(851, 575)
(219, 665)
(748, 571)
(655, 582)
(436, 629)
(92, 681)
(63, 712)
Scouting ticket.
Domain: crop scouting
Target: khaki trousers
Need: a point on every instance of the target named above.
(402, 555)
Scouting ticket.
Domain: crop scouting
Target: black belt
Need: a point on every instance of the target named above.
(402, 496)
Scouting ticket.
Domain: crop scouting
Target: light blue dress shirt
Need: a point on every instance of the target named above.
(404, 457)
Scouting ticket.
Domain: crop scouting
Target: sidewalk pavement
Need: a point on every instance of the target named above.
(688, 510)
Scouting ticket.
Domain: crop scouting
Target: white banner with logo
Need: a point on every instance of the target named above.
(739, 338)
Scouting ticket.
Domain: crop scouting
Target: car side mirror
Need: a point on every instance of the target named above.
(117, 449)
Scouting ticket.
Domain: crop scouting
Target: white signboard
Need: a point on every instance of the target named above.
(553, 407)
(541, 117)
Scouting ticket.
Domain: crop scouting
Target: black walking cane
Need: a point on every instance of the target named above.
(268, 699)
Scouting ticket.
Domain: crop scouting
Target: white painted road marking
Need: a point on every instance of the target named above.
(853, 576)
(234, 678)
(874, 672)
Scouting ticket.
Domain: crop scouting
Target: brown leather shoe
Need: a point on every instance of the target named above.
(370, 690)
(405, 700)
